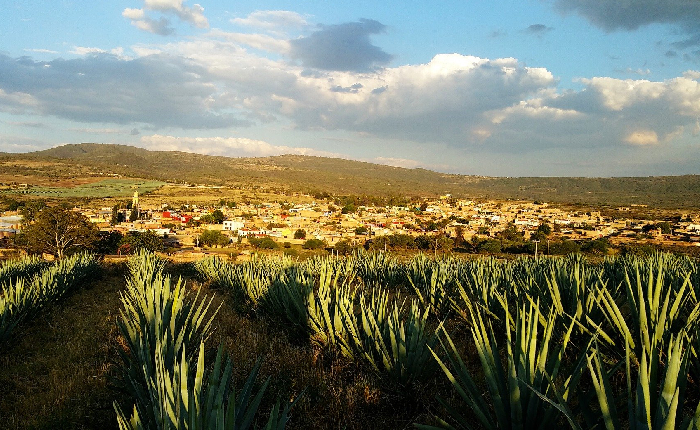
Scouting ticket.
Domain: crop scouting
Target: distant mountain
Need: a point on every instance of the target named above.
(340, 176)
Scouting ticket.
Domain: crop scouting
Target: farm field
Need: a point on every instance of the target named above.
(100, 189)
(329, 342)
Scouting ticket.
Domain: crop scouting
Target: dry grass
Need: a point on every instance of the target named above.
(337, 393)
(54, 375)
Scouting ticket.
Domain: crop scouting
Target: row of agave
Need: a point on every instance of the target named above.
(33, 285)
(321, 299)
(163, 369)
(12, 270)
(613, 344)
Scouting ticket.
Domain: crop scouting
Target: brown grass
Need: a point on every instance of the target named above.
(54, 374)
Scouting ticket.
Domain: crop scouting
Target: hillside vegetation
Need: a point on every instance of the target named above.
(340, 176)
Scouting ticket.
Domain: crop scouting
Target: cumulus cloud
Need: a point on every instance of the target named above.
(344, 47)
(227, 146)
(466, 104)
(616, 15)
(272, 20)
(162, 26)
(397, 162)
(642, 137)
(613, 15)
(157, 90)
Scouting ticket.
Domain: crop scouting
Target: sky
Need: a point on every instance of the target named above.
(503, 88)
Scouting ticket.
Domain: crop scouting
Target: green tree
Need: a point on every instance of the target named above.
(134, 215)
(343, 247)
(511, 234)
(30, 209)
(314, 244)
(117, 215)
(300, 234)
(59, 231)
(262, 242)
(490, 246)
(213, 238)
(361, 230)
(544, 228)
(108, 242)
(216, 217)
(135, 240)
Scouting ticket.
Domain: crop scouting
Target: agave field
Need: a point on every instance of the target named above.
(447, 342)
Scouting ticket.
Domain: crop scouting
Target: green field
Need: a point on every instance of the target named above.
(102, 189)
(367, 341)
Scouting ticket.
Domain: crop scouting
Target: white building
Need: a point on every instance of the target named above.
(233, 226)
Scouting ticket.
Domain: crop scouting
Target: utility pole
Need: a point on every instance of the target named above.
(536, 242)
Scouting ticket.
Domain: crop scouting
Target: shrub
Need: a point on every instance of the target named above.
(212, 238)
(314, 244)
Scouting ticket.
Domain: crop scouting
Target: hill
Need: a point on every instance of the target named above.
(340, 176)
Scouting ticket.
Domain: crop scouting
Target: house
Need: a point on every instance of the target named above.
(233, 225)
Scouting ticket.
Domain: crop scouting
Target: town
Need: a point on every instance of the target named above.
(432, 224)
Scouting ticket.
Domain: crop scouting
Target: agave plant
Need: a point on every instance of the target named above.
(519, 387)
(160, 323)
(394, 341)
(24, 299)
(190, 400)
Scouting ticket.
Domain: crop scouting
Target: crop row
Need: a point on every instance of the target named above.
(29, 286)
(163, 367)
(613, 344)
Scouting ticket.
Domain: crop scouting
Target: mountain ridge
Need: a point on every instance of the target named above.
(342, 177)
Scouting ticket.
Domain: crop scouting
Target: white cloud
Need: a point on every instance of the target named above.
(134, 14)
(17, 102)
(273, 20)
(194, 15)
(642, 138)
(397, 162)
(84, 50)
(228, 146)
(162, 26)
(42, 51)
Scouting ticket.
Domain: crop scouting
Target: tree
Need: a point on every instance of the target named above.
(343, 247)
(360, 230)
(314, 244)
(459, 236)
(300, 234)
(135, 240)
(544, 228)
(134, 215)
(29, 210)
(216, 217)
(117, 215)
(262, 242)
(59, 231)
(108, 242)
(212, 238)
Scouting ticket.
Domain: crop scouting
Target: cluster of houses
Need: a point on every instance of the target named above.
(324, 221)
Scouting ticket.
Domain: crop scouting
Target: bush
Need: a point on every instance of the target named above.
(213, 238)
(490, 246)
(300, 234)
(136, 240)
(564, 247)
(596, 246)
(343, 247)
(314, 244)
(263, 243)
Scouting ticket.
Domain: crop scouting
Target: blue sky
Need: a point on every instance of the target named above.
(509, 88)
